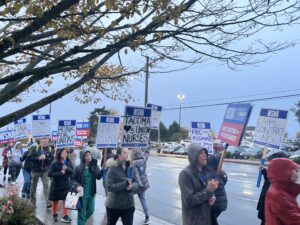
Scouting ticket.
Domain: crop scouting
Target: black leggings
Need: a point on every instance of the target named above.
(5, 170)
(114, 214)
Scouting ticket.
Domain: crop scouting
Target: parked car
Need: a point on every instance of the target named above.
(252, 153)
(295, 155)
(235, 151)
(289, 147)
(169, 147)
(247, 144)
(185, 143)
(273, 152)
(180, 150)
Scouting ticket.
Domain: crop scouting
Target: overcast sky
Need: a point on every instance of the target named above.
(202, 84)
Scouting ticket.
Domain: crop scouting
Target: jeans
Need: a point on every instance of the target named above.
(114, 214)
(34, 181)
(142, 197)
(27, 180)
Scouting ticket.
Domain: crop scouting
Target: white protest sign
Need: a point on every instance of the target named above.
(155, 115)
(66, 133)
(41, 126)
(270, 128)
(201, 134)
(20, 129)
(137, 126)
(6, 136)
(107, 132)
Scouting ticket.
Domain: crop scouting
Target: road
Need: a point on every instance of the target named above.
(164, 195)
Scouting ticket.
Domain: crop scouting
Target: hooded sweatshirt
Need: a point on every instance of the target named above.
(194, 194)
(281, 207)
(78, 174)
(15, 155)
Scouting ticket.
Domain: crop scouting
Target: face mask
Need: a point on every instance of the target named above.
(298, 180)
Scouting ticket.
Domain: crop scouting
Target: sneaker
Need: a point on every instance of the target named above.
(28, 196)
(147, 220)
(55, 217)
(66, 219)
(49, 205)
(23, 195)
(4, 178)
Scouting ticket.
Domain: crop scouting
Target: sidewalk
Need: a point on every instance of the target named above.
(98, 218)
(240, 161)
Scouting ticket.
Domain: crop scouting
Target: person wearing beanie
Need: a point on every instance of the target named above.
(197, 191)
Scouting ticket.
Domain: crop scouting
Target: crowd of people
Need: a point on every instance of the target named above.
(60, 174)
(201, 183)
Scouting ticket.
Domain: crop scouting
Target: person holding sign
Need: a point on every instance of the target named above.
(41, 156)
(197, 192)
(121, 190)
(281, 207)
(84, 179)
(60, 171)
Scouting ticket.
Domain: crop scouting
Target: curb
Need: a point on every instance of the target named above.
(237, 161)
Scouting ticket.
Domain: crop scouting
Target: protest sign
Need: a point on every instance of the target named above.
(201, 134)
(66, 133)
(54, 135)
(234, 123)
(107, 132)
(20, 129)
(83, 129)
(6, 136)
(41, 126)
(155, 115)
(270, 128)
(137, 126)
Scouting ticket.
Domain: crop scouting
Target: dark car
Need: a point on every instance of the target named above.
(252, 153)
(235, 151)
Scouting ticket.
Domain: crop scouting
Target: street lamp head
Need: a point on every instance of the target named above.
(180, 97)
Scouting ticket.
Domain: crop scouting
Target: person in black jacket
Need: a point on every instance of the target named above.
(26, 173)
(84, 179)
(60, 171)
(41, 156)
(220, 193)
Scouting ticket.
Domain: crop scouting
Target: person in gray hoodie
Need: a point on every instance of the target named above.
(197, 192)
(140, 162)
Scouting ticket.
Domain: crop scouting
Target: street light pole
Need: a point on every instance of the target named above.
(146, 81)
(180, 98)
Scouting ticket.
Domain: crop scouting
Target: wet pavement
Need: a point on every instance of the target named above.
(164, 195)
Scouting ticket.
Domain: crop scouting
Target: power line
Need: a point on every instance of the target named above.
(242, 96)
(226, 103)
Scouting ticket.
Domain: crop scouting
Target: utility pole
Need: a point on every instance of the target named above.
(146, 80)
